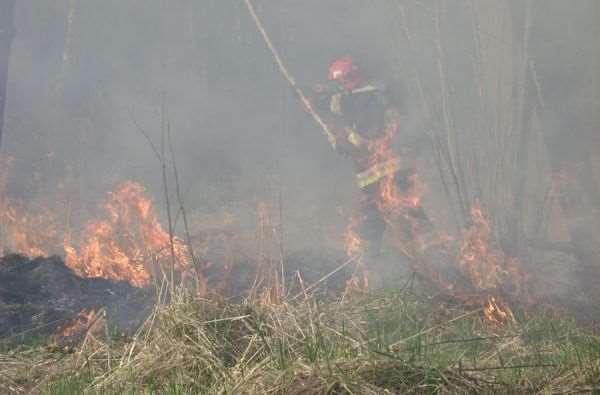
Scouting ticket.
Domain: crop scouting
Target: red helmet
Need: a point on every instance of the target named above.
(346, 73)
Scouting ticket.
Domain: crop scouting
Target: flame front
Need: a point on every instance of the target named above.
(497, 312)
(488, 269)
(355, 248)
(126, 244)
(33, 234)
(399, 195)
(477, 260)
(84, 321)
(352, 242)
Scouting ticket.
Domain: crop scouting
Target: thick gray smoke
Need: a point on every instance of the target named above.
(81, 72)
(84, 73)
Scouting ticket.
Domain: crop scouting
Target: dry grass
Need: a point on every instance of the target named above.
(365, 344)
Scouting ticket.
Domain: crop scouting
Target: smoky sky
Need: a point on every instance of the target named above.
(83, 73)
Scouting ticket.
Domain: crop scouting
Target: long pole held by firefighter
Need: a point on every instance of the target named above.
(290, 79)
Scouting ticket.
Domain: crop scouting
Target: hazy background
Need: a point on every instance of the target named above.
(82, 71)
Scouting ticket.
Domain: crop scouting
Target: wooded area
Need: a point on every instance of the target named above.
(6, 36)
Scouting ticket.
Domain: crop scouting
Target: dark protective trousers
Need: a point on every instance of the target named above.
(372, 223)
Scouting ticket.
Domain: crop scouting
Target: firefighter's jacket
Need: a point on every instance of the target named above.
(361, 118)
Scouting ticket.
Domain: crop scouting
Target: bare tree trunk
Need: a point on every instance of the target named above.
(66, 53)
(7, 8)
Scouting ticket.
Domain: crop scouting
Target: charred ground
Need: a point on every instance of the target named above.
(40, 296)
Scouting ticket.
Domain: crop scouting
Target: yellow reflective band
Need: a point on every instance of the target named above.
(377, 172)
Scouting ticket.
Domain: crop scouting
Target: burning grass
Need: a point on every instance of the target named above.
(364, 344)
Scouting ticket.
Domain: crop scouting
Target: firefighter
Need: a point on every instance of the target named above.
(364, 117)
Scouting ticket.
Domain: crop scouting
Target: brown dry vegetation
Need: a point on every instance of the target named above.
(364, 344)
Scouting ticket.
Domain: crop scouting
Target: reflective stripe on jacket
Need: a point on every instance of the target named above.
(377, 172)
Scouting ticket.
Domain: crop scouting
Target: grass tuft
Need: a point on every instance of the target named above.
(364, 344)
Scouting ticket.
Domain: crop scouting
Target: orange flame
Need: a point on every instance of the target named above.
(31, 230)
(390, 199)
(81, 322)
(128, 244)
(86, 321)
(125, 244)
(352, 241)
(497, 312)
(355, 247)
(488, 268)
(400, 208)
(484, 265)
